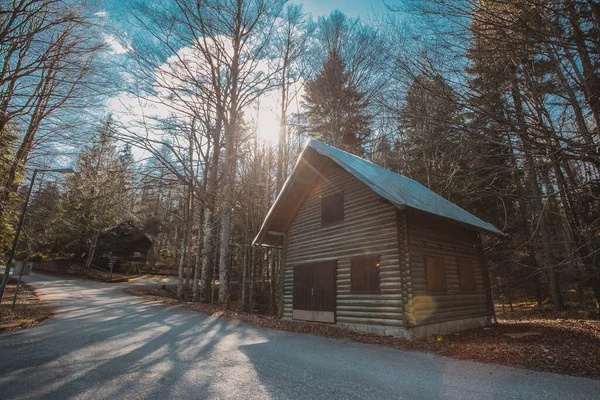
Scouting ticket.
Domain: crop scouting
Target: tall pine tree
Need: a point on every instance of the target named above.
(336, 110)
(95, 193)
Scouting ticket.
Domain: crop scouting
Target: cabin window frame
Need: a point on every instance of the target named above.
(370, 263)
(324, 198)
(439, 260)
(461, 283)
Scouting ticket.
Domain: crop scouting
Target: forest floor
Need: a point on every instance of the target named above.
(29, 310)
(526, 338)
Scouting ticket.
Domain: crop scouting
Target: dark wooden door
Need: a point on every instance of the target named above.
(314, 291)
(303, 283)
(323, 296)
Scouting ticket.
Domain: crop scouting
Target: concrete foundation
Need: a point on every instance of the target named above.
(378, 329)
(443, 328)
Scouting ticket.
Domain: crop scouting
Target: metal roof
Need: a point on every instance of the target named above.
(399, 190)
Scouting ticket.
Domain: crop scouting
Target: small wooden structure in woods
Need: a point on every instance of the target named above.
(373, 250)
(124, 242)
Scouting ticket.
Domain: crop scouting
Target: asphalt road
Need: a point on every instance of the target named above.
(104, 344)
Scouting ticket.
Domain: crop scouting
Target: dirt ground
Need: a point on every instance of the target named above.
(525, 338)
(28, 309)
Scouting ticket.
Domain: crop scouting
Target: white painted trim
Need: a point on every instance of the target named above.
(314, 316)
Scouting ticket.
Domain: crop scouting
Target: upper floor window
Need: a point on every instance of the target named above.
(332, 208)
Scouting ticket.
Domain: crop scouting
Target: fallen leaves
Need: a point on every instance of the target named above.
(28, 310)
(521, 335)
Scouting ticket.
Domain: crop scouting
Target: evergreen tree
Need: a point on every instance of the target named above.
(40, 221)
(8, 207)
(512, 84)
(336, 110)
(95, 193)
(428, 122)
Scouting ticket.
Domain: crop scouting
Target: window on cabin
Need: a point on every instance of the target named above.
(332, 208)
(364, 274)
(466, 275)
(435, 274)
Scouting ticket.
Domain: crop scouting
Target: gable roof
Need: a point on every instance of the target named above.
(397, 189)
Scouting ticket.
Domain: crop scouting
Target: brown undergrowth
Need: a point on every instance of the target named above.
(28, 311)
(554, 342)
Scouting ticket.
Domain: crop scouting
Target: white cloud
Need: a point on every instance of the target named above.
(115, 46)
(101, 14)
(179, 72)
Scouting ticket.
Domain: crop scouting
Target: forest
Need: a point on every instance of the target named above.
(187, 125)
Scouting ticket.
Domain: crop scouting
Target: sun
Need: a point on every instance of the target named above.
(267, 119)
(268, 127)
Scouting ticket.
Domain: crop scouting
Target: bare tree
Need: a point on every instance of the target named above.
(48, 54)
(291, 43)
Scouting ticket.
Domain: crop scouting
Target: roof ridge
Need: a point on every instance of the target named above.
(364, 159)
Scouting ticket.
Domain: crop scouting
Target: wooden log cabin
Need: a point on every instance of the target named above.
(372, 250)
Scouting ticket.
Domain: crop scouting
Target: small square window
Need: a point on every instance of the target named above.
(364, 274)
(435, 274)
(332, 208)
(466, 275)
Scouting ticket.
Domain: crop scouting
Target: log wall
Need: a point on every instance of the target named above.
(369, 227)
(429, 236)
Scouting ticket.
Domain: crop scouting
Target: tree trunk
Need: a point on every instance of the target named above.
(181, 267)
(224, 257)
(207, 255)
(245, 258)
(538, 291)
(282, 143)
(189, 240)
(536, 196)
(198, 264)
(244, 293)
(91, 251)
(595, 284)
(229, 169)
(252, 278)
(208, 228)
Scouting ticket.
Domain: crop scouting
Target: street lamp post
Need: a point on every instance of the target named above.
(20, 224)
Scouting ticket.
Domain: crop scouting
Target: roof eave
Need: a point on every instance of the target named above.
(476, 228)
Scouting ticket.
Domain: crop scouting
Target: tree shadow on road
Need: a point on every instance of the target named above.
(98, 338)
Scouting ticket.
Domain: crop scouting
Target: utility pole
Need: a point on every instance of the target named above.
(20, 224)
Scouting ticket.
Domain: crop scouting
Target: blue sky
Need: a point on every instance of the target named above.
(117, 10)
(352, 8)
